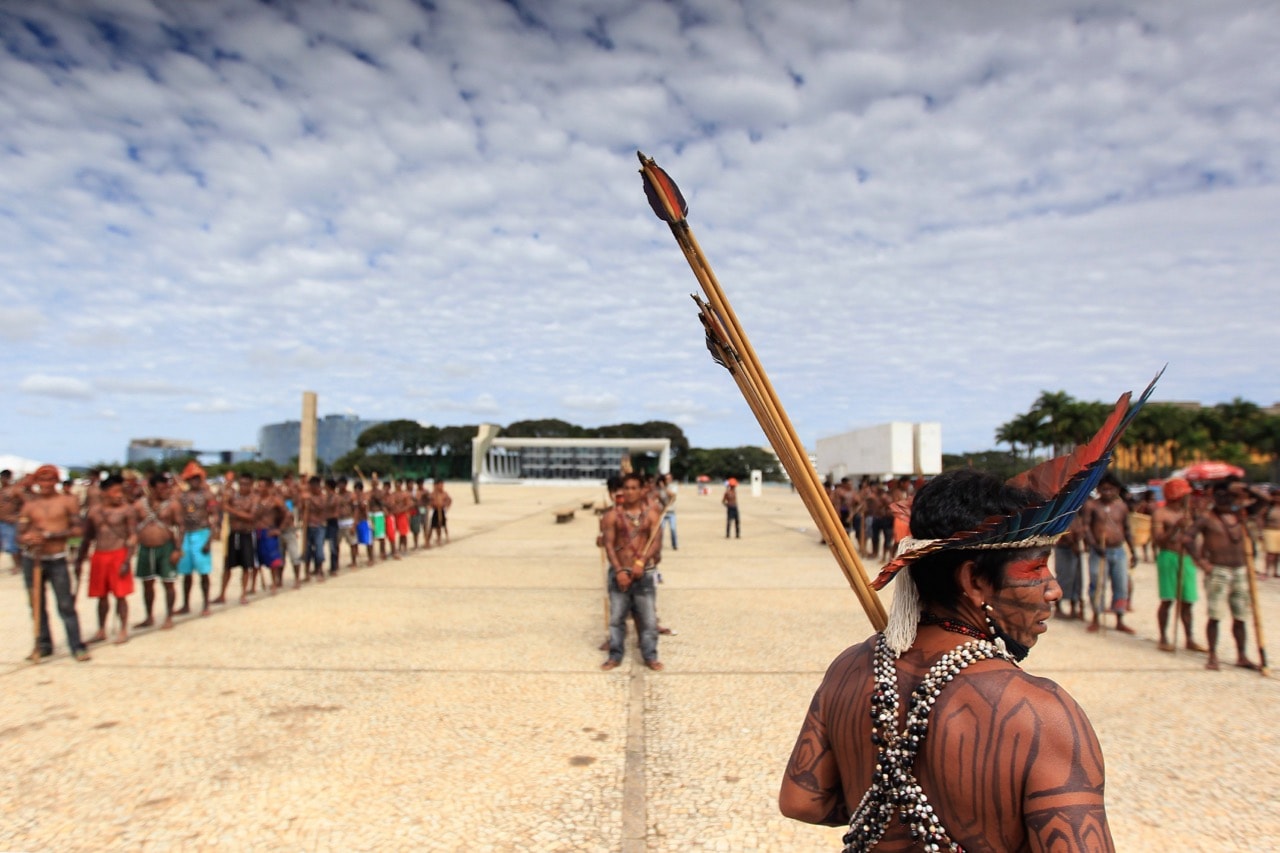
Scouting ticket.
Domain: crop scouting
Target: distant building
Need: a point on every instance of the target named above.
(576, 459)
(158, 450)
(887, 450)
(335, 437)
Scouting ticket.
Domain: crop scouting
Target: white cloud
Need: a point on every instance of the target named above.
(927, 210)
(216, 406)
(64, 387)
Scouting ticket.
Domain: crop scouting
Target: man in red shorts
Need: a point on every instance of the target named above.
(111, 529)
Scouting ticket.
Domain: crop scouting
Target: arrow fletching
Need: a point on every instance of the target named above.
(664, 196)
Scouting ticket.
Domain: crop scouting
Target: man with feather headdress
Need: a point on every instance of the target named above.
(929, 735)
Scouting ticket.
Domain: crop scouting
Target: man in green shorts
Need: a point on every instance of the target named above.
(159, 530)
(1174, 566)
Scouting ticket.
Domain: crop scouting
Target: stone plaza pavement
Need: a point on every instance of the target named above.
(453, 701)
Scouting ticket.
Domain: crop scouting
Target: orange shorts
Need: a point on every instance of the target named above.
(402, 523)
(104, 574)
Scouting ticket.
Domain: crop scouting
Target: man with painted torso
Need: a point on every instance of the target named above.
(159, 531)
(110, 529)
(631, 548)
(937, 736)
(1219, 552)
(47, 520)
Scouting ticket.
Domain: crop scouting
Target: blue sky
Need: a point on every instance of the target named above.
(920, 211)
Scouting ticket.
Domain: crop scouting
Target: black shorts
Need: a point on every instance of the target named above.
(240, 550)
(438, 520)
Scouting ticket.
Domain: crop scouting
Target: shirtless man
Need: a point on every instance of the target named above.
(731, 516)
(199, 509)
(630, 549)
(269, 519)
(1175, 568)
(417, 510)
(47, 520)
(1001, 759)
(403, 502)
(440, 503)
(240, 506)
(1269, 520)
(1106, 533)
(331, 531)
(1219, 552)
(314, 507)
(10, 511)
(159, 531)
(346, 504)
(378, 517)
(111, 529)
(290, 492)
(364, 530)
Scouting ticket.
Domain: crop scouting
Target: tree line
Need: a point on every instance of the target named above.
(1162, 438)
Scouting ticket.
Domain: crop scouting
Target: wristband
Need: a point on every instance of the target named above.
(626, 572)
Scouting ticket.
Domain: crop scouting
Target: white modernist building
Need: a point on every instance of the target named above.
(888, 450)
(510, 460)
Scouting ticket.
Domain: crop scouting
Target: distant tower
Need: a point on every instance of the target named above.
(307, 442)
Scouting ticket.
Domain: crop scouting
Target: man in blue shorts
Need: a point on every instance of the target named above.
(199, 510)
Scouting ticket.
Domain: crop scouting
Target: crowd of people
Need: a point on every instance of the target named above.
(163, 529)
(1199, 539)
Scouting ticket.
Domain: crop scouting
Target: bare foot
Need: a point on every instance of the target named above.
(320, 577)
(182, 611)
(1165, 647)
(297, 584)
(244, 599)
(1093, 626)
(121, 638)
(1125, 629)
(98, 637)
(1245, 663)
(1212, 664)
(145, 623)
(222, 599)
(205, 612)
(1193, 646)
(167, 624)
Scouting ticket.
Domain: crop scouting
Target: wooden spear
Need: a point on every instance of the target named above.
(730, 346)
(1250, 569)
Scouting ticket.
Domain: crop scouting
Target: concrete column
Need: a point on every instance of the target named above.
(307, 442)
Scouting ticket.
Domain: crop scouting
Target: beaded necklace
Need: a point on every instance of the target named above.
(894, 786)
(955, 626)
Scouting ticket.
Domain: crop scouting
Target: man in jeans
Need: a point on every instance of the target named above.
(1106, 534)
(48, 520)
(631, 550)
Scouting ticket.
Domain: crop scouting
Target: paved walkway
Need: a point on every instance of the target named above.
(453, 701)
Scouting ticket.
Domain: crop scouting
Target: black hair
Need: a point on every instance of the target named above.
(112, 480)
(1109, 479)
(314, 481)
(953, 503)
(158, 478)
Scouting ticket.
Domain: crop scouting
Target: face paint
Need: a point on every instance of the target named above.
(1021, 607)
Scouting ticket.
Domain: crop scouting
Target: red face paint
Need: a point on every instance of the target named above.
(1035, 568)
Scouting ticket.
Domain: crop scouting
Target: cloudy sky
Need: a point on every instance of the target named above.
(920, 211)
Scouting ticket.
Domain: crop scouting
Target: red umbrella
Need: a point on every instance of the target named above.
(1212, 470)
